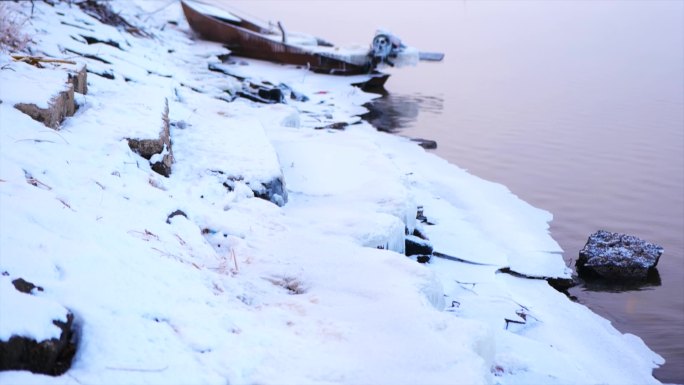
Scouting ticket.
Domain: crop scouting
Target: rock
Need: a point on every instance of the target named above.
(273, 191)
(563, 285)
(59, 107)
(25, 286)
(333, 126)
(79, 79)
(427, 144)
(157, 150)
(52, 357)
(26, 318)
(417, 246)
(62, 103)
(423, 258)
(420, 216)
(616, 256)
(173, 214)
(262, 94)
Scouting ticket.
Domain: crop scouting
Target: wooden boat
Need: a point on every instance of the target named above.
(250, 38)
(255, 40)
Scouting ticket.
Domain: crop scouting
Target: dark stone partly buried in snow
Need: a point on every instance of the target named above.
(25, 286)
(173, 214)
(273, 190)
(333, 126)
(423, 258)
(417, 246)
(52, 357)
(615, 256)
(158, 150)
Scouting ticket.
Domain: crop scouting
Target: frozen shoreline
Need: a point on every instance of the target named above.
(242, 290)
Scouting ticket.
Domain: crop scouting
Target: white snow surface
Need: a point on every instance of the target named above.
(29, 316)
(237, 289)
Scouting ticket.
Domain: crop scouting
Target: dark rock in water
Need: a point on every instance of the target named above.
(427, 144)
(563, 285)
(417, 246)
(616, 256)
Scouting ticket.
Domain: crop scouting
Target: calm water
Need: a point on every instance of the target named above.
(576, 106)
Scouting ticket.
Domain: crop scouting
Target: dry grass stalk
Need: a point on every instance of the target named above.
(35, 182)
(11, 36)
(232, 253)
(146, 236)
(182, 242)
(36, 60)
(137, 369)
(66, 205)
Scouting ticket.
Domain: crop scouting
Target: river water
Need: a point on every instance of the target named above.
(576, 106)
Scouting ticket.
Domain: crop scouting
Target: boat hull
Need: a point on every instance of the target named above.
(249, 43)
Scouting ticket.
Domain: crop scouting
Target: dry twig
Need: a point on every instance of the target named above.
(182, 242)
(145, 235)
(66, 204)
(35, 182)
(36, 60)
(137, 369)
(232, 253)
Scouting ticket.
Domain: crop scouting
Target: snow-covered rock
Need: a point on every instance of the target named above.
(35, 333)
(616, 256)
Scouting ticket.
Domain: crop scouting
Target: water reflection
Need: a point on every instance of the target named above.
(651, 281)
(393, 112)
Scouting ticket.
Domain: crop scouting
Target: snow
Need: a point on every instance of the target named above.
(237, 289)
(22, 85)
(28, 316)
(213, 11)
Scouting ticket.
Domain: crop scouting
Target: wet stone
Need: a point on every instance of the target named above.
(427, 144)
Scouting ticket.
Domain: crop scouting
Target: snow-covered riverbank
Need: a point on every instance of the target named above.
(191, 278)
